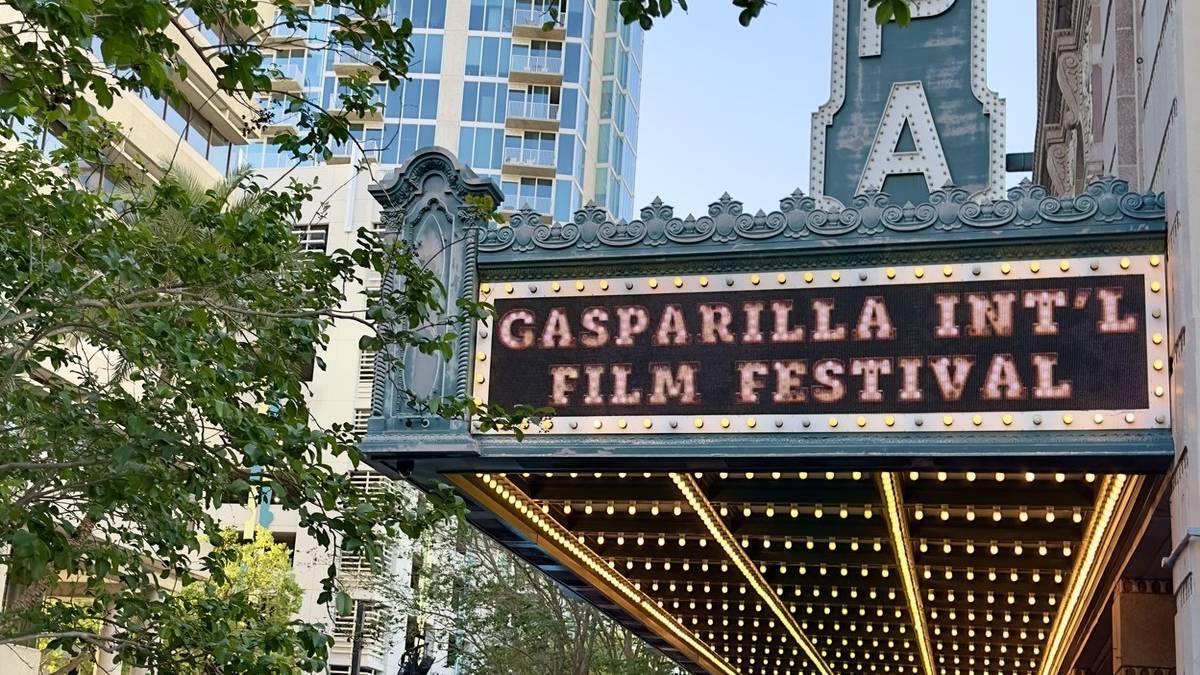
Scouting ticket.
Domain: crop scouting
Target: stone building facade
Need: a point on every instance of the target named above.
(1119, 94)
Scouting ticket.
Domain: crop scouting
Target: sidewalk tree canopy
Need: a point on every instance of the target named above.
(154, 332)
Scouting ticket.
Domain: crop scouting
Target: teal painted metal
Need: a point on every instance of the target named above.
(800, 226)
(426, 205)
(909, 108)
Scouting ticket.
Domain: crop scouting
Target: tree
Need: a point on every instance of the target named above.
(153, 336)
(258, 579)
(645, 12)
(501, 615)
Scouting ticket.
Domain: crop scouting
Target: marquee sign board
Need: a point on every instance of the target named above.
(1030, 345)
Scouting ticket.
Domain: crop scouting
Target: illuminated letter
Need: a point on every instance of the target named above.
(907, 106)
(714, 323)
(1110, 312)
(562, 383)
(828, 373)
(991, 316)
(951, 385)
(1045, 301)
(789, 380)
(875, 315)
(1002, 374)
(753, 312)
(595, 320)
(870, 369)
(947, 327)
(1046, 388)
(681, 386)
(523, 338)
(824, 332)
(631, 321)
(783, 312)
(557, 332)
(594, 373)
(621, 394)
(671, 322)
(749, 374)
(910, 388)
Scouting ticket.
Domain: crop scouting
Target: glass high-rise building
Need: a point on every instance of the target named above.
(550, 115)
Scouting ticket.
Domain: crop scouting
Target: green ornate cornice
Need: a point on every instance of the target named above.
(873, 224)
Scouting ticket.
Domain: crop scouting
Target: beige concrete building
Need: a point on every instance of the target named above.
(1119, 94)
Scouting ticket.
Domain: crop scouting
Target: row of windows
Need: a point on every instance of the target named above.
(558, 198)
(196, 130)
(484, 101)
(415, 98)
(481, 148)
(391, 144)
(426, 54)
(488, 56)
(422, 13)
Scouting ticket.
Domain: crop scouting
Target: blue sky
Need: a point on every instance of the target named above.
(726, 108)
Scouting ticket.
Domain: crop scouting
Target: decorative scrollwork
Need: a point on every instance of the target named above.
(1107, 202)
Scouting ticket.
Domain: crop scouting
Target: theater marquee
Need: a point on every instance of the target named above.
(1075, 344)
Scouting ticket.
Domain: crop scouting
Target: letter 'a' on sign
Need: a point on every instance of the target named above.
(907, 109)
(996, 346)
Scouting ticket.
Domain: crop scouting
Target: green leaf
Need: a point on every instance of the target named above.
(344, 603)
(884, 12)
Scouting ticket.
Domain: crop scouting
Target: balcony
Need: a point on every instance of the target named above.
(529, 22)
(529, 162)
(349, 60)
(287, 75)
(536, 69)
(371, 117)
(280, 118)
(286, 36)
(532, 116)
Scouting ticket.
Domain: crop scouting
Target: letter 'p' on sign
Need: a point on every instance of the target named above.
(870, 33)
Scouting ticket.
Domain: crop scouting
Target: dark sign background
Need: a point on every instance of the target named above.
(1107, 371)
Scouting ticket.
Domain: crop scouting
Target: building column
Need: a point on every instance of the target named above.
(1143, 626)
(106, 660)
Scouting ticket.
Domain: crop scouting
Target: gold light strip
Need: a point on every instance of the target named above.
(1112, 506)
(897, 522)
(500, 496)
(700, 504)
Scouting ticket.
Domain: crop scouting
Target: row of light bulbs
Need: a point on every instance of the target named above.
(999, 476)
(770, 510)
(993, 547)
(992, 575)
(987, 649)
(1018, 548)
(1003, 633)
(990, 597)
(945, 512)
(988, 616)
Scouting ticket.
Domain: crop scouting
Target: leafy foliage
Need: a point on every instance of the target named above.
(153, 336)
(505, 616)
(646, 12)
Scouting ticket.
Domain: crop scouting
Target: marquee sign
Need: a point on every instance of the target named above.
(1031, 345)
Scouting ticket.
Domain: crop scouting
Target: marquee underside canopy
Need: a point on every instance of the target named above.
(820, 572)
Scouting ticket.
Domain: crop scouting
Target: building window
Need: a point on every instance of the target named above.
(366, 372)
(312, 237)
(488, 56)
(191, 125)
(361, 415)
